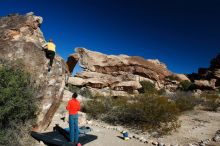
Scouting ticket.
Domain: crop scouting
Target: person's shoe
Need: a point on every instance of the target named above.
(79, 144)
(49, 68)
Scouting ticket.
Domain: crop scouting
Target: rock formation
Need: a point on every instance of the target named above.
(21, 39)
(117, 75)
(208, 78)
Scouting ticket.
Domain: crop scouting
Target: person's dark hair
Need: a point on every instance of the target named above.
(74, 95)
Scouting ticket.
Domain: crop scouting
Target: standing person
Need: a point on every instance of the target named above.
(50, 52)
(73, 107)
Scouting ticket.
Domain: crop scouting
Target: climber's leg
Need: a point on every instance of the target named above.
(47, 53)
(52, 54)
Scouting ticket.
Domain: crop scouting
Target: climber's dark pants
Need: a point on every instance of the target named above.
(50, 55)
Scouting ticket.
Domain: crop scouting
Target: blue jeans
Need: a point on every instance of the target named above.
(74, 129)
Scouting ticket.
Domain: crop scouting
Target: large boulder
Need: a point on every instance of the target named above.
(181, 77)
(21, 39)
(119, 74)
(113, 65)
(76, 81)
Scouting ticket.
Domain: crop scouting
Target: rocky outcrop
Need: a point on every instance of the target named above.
(117, 65)
(205, 84)
(181, 77)
(72, 61)
(21, 39)
(121, 74)
(208, 78)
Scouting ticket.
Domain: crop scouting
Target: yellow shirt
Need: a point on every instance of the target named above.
(51, 46)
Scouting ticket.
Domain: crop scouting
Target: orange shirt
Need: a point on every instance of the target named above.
(73, 106)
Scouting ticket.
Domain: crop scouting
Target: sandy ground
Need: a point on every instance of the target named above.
(195, 126)
(111, 138)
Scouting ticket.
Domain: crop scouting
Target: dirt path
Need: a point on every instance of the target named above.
(195, 126)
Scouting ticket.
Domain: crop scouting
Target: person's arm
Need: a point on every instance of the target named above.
(44, 45)
(68, 106)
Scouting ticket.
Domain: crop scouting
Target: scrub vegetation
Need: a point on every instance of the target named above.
(151, 110)
(17, 105)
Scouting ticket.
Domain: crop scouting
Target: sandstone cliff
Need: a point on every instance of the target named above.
(21, 39)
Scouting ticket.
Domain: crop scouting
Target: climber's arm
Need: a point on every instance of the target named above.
(44, 45)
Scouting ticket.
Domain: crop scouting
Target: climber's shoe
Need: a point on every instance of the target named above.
(49, 68)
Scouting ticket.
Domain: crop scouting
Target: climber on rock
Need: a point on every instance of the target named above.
(50, 50)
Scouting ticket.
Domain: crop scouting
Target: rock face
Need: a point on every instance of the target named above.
(208, 78)
(21, 39)
(205, 84)
(119, 74)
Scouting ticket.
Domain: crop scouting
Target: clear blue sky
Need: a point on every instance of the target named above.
(184, 34)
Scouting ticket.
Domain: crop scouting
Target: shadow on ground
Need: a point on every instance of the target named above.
(59, 137)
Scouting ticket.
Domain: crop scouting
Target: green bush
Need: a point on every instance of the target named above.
(185, 85)
(147, 87)
(17, 104)
(143, 111)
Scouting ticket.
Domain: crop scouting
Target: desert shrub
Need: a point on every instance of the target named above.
(185, 85)
(185, 100)
(147, 87)
(97, 106)
(143, 111)
(85, 92)
(17, 105)
(162, 91)
(73, 88)
(211, 101)
(185, 103)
